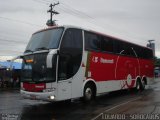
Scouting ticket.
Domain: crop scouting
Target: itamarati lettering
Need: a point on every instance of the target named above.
(102, 60)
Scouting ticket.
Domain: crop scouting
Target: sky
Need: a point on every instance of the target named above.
(136, 21)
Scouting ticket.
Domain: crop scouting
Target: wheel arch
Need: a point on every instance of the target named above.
(144, 78)
(92, 82)
(138, 78)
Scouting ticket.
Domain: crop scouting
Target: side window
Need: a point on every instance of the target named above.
(107, 44)
(128, 49)
(137, 50)
(70, 54)
(150, 54)
(147, 53)
(143, 52)
(119, 47)
(92, 41)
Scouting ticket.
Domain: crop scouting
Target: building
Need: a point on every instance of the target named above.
(10, 73)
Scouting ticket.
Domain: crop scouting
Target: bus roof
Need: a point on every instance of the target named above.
(70, 26)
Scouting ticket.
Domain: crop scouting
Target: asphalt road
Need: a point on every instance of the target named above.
(123, 103)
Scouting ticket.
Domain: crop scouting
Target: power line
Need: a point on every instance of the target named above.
(13, 36)
(80, 14)
(19, 21)
(42, 2)
(76, 13)
(71, 9)
(11, 51)
(13, 41)
(66, 7)
(93, 20)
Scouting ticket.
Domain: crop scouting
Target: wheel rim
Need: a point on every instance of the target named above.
(143, 84)
(88, 93)
(138, 86)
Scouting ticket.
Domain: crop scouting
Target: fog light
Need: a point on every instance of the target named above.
(51, 97)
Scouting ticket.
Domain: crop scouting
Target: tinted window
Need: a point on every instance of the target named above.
(148, 54)
(45, 39)
(144, 52)
(119, 47)
(128, 49)
(37, 70)
(92, 41)
(107, 44)
(104, 43)
(70, 54)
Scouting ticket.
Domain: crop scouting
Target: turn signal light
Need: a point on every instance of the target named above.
(29, 61)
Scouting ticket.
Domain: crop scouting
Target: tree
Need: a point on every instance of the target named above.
(157, 61)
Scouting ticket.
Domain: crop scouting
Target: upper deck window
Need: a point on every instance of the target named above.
(92, 41)
(48, 39)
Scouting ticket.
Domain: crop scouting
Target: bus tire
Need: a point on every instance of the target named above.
(143, 85)
(89, 93)
(138, 86)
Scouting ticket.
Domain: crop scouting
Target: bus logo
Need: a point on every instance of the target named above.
(95, 59)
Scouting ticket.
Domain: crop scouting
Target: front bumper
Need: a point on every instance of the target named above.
(45, 96)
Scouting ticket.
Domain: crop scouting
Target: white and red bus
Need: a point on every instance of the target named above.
(62, 63)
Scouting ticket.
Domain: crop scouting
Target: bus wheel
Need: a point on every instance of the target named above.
(89, 93)
(138, 85)
(143, 85)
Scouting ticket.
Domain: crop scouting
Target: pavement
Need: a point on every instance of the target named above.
(126, 104)
(146, 106)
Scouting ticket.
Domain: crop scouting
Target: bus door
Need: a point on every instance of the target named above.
(64, 81)
(70, 57)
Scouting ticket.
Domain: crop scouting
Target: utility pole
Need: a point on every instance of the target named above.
(52, 12)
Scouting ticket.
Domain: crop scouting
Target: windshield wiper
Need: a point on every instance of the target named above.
(42, 48)
(28, 51)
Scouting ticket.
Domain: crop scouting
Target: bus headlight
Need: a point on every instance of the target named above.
(52, 97)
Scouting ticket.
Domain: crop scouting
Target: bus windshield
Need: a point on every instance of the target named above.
(45, 40)
(34, 68)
